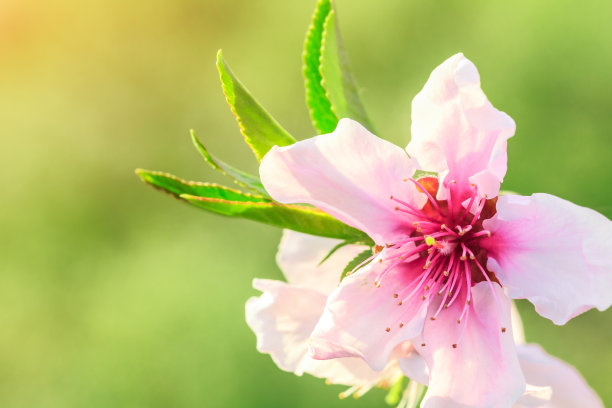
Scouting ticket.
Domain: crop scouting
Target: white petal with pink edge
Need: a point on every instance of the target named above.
(363, 320)
(283, 317)
(552, 252)
(457, 132)
(350, 174)
(482, 371)
(569, 389)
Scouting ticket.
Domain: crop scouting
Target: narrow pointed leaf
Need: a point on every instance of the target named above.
(337, 79)
(356, 262)
(240, 177)
(260, 130)
(230, 202)
(331, 93)
(295, 217)
(176, 187)
(323, 117)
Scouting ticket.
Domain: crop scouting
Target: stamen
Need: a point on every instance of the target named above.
(431, 199)
(450, 198)
(481, 233)
(450, 230)
(479, 210)
(469, 206)
(486, 276)
(413, 210)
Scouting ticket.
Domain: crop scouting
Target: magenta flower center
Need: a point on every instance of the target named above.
(444, 239)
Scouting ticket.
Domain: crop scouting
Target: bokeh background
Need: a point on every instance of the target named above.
(113, 295)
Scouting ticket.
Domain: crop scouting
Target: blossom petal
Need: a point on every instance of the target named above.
(415, 368)
(569, 389)
(457, 132)
(363, 320)
(552, 252)
(283, 318)
(483, 370)
(350, 174)
(299, 257)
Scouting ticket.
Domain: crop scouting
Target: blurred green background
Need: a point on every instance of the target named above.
(113, 295)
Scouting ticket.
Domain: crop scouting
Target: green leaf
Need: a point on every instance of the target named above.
(359, 259)
(395, 392)
(260, 130)
(239, 176)
(337, 79)
(321, 113)
(299, 218)
(234, 203)
(331, 92)
(176, 187)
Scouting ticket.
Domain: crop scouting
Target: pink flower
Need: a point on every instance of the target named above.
(284, 316)
(445, 246)
(286, 313)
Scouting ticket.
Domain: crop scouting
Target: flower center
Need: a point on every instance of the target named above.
(444, 237)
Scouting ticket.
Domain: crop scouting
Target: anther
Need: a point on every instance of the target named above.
(422, 344)
(458, 321)
(503, 330)
(396, 208)
(432, 318)
(454, 345)
(379, 260)
(426, 287)
(443, 226)
(388, 329)
(399, 303)
(391, 197)
(395, 295)
(423, 298)
(472, 257)
(463, 258)
(446, 306)
(405, 179)
(468, 301)
(401, 325)
(446, 273)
